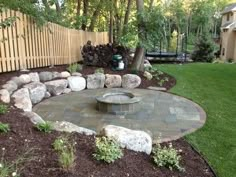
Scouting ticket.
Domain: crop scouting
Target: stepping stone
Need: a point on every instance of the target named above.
(157, 88)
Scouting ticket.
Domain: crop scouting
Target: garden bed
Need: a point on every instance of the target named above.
(42, 160)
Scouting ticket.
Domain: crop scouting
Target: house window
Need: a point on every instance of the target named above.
(228, 17)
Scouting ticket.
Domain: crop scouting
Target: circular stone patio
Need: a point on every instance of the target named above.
(163, 115)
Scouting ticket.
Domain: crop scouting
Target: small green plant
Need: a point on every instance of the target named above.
(107, 150)
(230, 60)
(14, 168)
(4, 128)
(3, 109)
(99, 70)
(75, 67)
(66, 152)
(45, 127)
(161, 82)
(167, 157)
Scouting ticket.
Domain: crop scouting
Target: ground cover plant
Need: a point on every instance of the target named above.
(213, 87)
(4, 128)
(45, 127)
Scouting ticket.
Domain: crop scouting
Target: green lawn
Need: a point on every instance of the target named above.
(213, 86)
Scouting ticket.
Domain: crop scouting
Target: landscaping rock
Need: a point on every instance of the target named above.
(135, 140)
(77, 74)
(67, 90)
(37, 91)
(157, 88)
(10, 86)
(47, 95)
(56, 75)
(147, 64)
(4, 96)
(34, 77)
(34, 118)
(45, 76)
(56, 87)
(69, 127)
(147, 75)
(25, 78)
(65, 74)
(76, 83)
(113, 81)
(130, 81)
(95, 81)
(17, 80)
(22, 99)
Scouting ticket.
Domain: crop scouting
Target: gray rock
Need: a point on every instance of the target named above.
(69, 127)
(47, 95)
(4, 96)
(56, 87)
(76, 83)
(34, 77)
(34, 118)
(45, 76)
(22, 99)
(56, 75)
(135, 140)
(10, 86)
(37, 91)
(147, 64)
(17, 80)
(130, 81)
(157, 88)
(25, 78)
(65, 74)
(67, 90)
(76, 74)
(147, 75)
(113, 81)
(95, 81)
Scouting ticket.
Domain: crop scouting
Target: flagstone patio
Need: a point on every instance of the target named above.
(163, 115)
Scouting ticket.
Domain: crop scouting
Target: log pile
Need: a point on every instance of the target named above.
(101, 55)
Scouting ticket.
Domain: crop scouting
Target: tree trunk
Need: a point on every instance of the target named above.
(78, 7)
(111, 26)
(95, 15)
(127, 16)
(138, 60)
(58, 8)
(85, 13)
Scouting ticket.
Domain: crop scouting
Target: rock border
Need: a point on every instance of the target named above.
(27, 90)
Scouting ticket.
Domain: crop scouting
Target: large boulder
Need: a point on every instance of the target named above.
(65, 74)
(69, 127)
(76, 83)
(45, 76)
(130, 81)
(147, 64)
(10, 86)
(4, 96)
(25, 78)
(135, 140)
(56, 87)
(22, 99)
(34, 118)
(67, 90)
(113, 81)
(37, 91)
(95, 81)
(34, 77)
(76, 74)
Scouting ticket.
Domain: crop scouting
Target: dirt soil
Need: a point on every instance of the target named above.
(42, 161)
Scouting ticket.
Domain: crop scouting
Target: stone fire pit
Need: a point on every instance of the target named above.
(119, 103)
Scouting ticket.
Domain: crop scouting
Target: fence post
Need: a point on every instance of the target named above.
(20, 24)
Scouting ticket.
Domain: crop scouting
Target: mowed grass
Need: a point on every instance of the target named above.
(213, 86)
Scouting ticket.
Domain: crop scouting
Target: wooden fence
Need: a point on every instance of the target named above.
(24, 45)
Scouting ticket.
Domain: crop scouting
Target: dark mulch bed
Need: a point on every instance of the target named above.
(43, 161)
